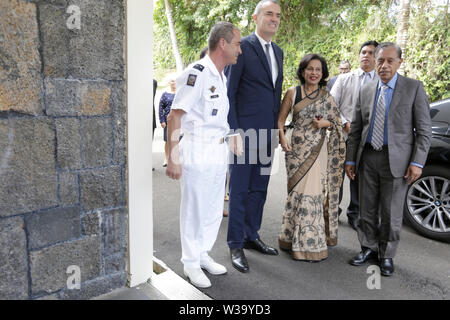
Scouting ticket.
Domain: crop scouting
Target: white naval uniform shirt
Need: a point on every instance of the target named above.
(202, 94)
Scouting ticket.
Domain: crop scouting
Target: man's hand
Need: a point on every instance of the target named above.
(173, 170)
(163, 125)
(350, 171)
(235, 145)
(347, 127)
(413, 173)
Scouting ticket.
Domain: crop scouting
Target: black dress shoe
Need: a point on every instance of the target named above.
(363, 257)
(260, 246)
(387, 267)
(238, 260)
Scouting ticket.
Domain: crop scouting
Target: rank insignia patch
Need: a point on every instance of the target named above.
(191, 80)
(212, 89)
(199, 67)
(214, 112)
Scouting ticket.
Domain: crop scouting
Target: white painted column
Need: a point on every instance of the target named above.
(139, 39)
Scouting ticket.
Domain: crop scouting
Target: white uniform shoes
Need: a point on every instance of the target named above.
(197, 277)
(212, 267)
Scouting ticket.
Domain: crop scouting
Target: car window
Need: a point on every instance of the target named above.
(440, 111)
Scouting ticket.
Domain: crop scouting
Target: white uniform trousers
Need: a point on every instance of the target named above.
(204, 168)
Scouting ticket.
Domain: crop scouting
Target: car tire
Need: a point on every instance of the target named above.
(441, 172)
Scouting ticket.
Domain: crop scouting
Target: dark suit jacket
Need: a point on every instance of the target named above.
(254, 100)
(409, 125)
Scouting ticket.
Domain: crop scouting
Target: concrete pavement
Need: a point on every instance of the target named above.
(422, 265)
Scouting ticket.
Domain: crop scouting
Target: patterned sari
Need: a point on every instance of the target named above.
(314, 169)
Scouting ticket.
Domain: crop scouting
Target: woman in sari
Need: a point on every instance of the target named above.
(315, 153)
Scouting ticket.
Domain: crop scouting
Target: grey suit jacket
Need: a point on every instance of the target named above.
(409, 111)
(345, 92)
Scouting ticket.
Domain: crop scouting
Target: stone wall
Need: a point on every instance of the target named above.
(62, 148)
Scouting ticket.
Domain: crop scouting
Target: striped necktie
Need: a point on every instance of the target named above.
(378, 123)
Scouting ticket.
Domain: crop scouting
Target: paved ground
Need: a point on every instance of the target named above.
(422, 265)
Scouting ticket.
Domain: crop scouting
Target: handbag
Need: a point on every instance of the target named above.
(288, 130)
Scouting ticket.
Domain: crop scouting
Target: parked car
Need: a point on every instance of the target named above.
(427, 204)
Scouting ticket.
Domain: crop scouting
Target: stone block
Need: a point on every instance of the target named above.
(101, 188)
(20, 62)
(115, 226)
(119, 110)
(53, 28)
(68, 189)
(91, 223)
(97, 49)
(68, 143)
(68, 97)
(54, 2)
(13, 259)
(49, 266)
(95, 99)
(63, 97)
(97, 140)
(52, 226)
(115, 263)
(27, 165)
(96, 287)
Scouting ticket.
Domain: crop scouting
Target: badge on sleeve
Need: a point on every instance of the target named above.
(214, 112)
(191, 80)
(212, 89)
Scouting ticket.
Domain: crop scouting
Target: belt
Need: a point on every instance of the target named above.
(369, 146)
(207, 141)
(224, 139)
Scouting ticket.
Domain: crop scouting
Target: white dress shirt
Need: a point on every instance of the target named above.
(272, 57)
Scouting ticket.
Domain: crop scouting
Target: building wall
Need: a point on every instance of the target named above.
(63, 159)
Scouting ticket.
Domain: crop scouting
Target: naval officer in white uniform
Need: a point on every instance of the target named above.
(200, 110)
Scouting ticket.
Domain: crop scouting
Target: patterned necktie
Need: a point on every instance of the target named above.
(378, 123)
(269, 60)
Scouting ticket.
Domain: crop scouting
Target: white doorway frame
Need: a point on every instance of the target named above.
(139, 75)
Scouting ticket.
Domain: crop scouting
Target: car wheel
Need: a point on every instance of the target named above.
(427, 204)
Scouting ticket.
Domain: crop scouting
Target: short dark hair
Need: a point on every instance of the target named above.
(203, 52)
(368, 43)
(260, 4)
(220, 30)
(389, 45)
(304, 63)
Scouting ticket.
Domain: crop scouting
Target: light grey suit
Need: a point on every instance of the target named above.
(345, 92)
(382, 188)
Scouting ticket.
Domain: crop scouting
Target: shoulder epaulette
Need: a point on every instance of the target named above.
(199, 67)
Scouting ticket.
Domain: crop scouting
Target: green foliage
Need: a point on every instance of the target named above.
(428, 59)
(333, 28)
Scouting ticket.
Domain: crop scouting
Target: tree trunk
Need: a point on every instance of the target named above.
(402, 31)
(173, 37)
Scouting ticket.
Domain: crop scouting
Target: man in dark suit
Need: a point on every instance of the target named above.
(388, 144)
(254, 91)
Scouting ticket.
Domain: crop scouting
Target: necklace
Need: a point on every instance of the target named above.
(309, 95)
